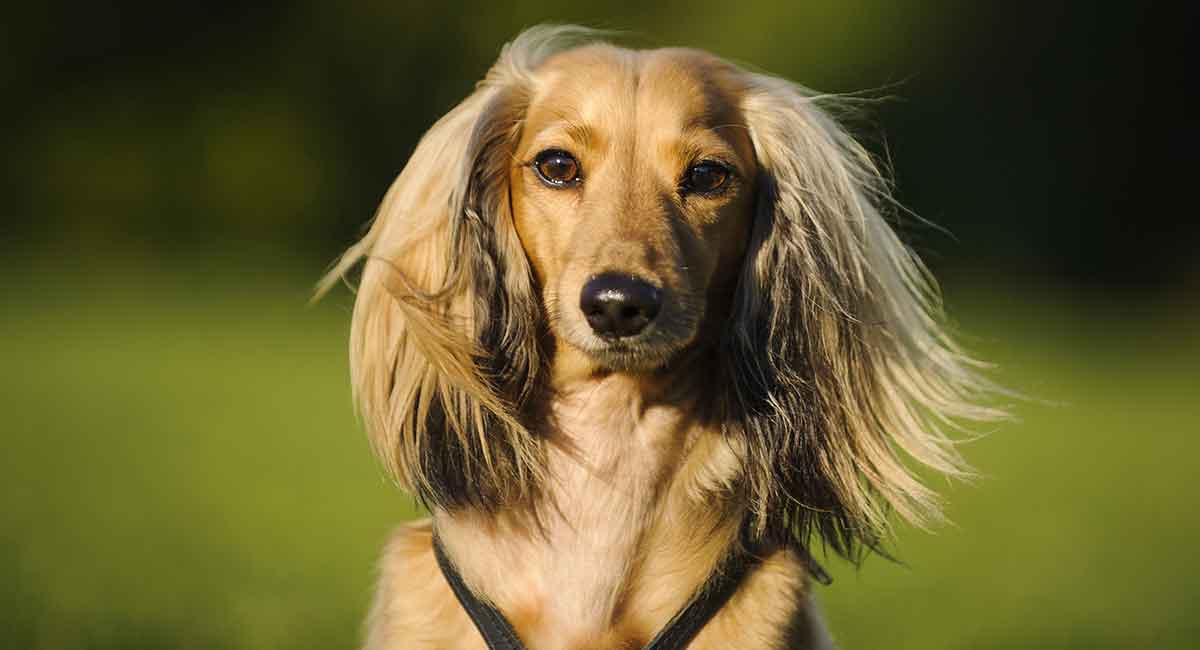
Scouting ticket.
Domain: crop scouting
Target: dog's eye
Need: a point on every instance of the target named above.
(705, 177)
(557, 167)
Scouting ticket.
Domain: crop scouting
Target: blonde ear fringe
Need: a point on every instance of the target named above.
(443, 340)
(857, 361)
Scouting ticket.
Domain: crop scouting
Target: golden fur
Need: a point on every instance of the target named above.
(587, 487)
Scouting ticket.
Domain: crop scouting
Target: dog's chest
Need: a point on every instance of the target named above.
(604, 486)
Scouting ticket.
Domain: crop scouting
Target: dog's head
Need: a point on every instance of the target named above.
(632, 191)
(591, 209)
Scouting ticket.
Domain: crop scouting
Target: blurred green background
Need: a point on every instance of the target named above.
(182, 467)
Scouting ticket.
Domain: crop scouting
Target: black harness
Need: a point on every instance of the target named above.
(679, 631)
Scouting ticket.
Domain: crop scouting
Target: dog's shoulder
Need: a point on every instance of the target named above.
(774, 607)
(414, 606)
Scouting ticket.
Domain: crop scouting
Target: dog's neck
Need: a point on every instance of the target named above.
(636, 513)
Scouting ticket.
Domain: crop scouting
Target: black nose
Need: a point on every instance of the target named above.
(619, 305)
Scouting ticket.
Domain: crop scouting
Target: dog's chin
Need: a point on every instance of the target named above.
(639, 355)
(630, 359)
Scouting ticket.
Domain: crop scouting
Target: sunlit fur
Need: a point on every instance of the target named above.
(789, 384)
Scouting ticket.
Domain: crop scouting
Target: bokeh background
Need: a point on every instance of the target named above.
(181, 466)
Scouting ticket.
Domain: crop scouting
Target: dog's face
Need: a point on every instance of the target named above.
(632, 190)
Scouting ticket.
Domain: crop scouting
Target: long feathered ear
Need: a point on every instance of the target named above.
(841, 363)
(443, 349)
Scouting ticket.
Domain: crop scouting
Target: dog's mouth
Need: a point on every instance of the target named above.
(643, 353)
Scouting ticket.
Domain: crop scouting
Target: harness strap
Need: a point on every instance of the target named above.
(496, 630)
(678, 633)
(706, 602)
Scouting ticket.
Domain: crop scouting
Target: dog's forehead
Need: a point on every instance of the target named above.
(670, 90)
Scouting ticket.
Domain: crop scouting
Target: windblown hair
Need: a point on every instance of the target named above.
(836, 355)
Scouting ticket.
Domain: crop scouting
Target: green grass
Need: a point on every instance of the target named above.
(182, 469)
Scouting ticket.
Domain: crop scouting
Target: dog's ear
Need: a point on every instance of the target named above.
(841, 364)
(443, 349)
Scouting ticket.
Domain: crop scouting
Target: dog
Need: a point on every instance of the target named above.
(628, 319)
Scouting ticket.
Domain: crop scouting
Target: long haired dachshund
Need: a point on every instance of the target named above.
(624, 316)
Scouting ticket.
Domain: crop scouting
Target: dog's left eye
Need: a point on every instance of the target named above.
(705, 177)
(557, 167)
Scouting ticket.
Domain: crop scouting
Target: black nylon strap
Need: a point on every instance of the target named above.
(708, 600)
(496, 630)
(678, 633)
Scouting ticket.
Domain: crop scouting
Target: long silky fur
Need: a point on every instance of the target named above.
(839, 365)
(840, 362)
(444, 340)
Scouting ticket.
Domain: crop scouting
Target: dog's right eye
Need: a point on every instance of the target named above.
(557, 168)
